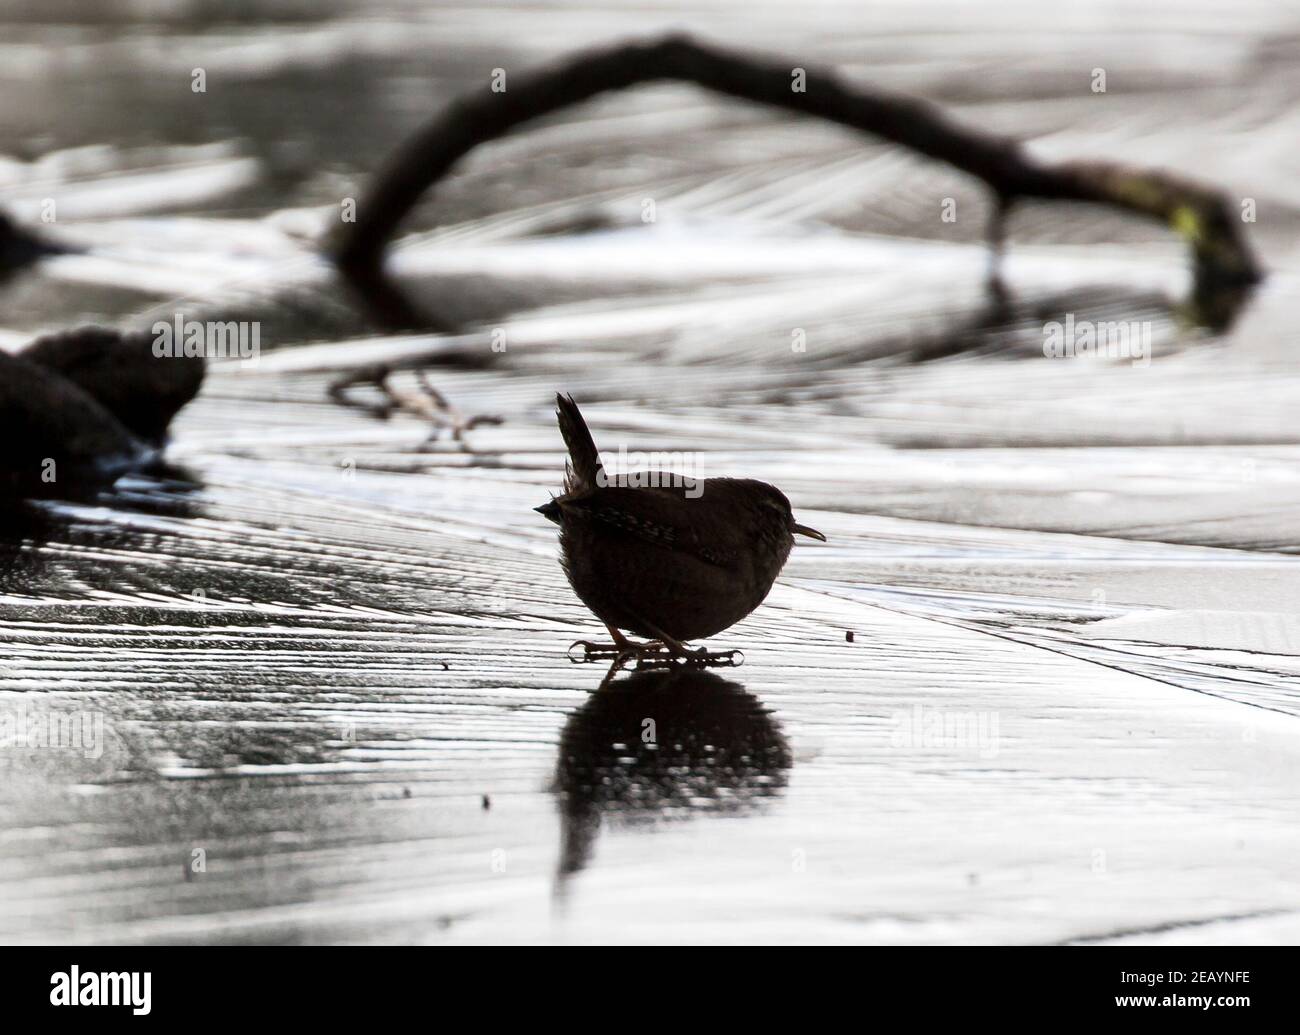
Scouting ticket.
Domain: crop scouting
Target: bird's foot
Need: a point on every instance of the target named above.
(682, 654)
(623, 651)
(718, 658)
(652, 653)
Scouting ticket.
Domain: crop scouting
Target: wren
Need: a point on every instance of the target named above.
(667, 558)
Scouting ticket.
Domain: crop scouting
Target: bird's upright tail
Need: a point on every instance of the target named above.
(583, 470)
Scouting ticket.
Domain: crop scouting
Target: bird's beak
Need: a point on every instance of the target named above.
(811, 533)
(550, 511)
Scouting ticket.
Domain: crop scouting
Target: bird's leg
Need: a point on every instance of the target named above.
(621, 648)
(616, 634)
(696, 657)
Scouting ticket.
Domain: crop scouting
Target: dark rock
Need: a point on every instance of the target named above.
(55, 439)
(20, 247)
(140, 389)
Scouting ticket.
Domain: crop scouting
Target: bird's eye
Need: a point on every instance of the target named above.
(779, 509)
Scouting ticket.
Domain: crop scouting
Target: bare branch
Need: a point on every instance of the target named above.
(1202, 215)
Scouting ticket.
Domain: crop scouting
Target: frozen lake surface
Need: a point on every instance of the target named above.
(327, 667)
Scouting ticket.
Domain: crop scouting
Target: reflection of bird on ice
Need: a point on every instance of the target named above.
(660, 744)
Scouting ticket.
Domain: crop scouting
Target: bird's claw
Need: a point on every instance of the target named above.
(592, 651)
(605, 651)
(652, 655)
(718, 658)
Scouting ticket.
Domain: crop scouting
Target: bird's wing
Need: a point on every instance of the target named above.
(662, 516)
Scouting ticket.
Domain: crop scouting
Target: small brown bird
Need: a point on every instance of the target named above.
(667, 560)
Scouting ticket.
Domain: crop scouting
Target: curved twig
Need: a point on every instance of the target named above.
(1222, 258)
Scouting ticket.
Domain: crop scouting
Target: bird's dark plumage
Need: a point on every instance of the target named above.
(665, 558)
